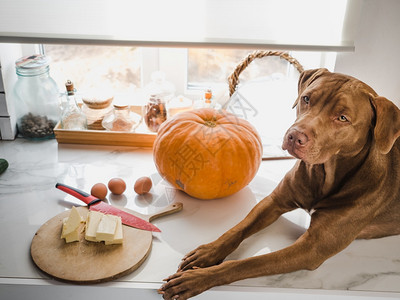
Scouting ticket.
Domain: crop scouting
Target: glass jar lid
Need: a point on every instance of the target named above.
(35, 61)
(97, 103)
(120, 106)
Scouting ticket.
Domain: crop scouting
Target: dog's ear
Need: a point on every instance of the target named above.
(387, 123)
(306, 78)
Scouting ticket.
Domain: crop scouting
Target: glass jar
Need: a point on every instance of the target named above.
(121, 119)
(155, 113)
(36, 98)
(95, 108)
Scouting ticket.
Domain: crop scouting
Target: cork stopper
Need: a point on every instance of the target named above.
(70, 87)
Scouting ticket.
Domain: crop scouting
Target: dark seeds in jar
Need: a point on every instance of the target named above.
(35, 126)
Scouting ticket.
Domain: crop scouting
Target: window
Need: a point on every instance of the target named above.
(208, 67)
(189, 70)
(91, 67)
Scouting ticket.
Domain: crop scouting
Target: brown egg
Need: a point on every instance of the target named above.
(117, 186)
(143, 185)
(99, 190)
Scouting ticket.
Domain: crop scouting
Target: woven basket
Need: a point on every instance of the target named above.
(233, 79)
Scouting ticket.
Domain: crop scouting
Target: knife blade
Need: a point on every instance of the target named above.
(97, 205)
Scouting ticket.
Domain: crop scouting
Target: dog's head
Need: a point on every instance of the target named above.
(338, 115)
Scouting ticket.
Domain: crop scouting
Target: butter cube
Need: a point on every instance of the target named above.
(71, 224)
(106, 228)
(74, 235)
(92, 223)
(118, 237)
(64, 227)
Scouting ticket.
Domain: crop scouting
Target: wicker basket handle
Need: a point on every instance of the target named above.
(233, 79)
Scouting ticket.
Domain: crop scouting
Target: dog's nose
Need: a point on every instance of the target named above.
(296, 137)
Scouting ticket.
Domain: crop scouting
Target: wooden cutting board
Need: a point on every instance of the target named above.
(87, 262)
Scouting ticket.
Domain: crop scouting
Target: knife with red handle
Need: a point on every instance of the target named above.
(97, 205)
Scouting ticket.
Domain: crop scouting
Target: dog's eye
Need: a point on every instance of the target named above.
(306, 99)
(343, 118)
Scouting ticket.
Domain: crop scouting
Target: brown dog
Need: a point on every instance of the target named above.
(347, 177)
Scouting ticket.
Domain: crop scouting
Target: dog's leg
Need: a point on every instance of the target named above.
(267, 211)
(324, 238)
(187, 284)
(262, 215)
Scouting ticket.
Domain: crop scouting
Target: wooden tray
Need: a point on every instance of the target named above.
(142, 137)
(102, 137)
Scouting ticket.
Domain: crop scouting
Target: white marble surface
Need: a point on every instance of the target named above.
(28, 198)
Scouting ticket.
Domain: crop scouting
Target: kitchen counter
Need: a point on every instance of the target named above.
(28, 198)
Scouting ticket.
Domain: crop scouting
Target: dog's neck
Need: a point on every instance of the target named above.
(338, 168)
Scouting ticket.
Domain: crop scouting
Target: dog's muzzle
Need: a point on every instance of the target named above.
(295, 142)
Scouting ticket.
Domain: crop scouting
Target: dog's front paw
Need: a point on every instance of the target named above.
(184, 285)
(202, 257)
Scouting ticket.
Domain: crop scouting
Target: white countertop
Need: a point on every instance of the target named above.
(28, 198)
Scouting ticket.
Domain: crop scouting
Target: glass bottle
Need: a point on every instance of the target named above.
(72, 117)
(36, 97)
(155, 113)
(121, 119)
(207, 101)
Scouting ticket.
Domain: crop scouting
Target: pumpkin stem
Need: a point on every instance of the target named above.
(211, 123)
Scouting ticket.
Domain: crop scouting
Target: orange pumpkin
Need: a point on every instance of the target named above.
(207, 153)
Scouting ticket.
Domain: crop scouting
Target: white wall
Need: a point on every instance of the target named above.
(376, 59)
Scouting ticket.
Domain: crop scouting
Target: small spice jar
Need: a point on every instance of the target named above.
(95, 108)
(36, 98)
(155, 113)
(121, 119)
